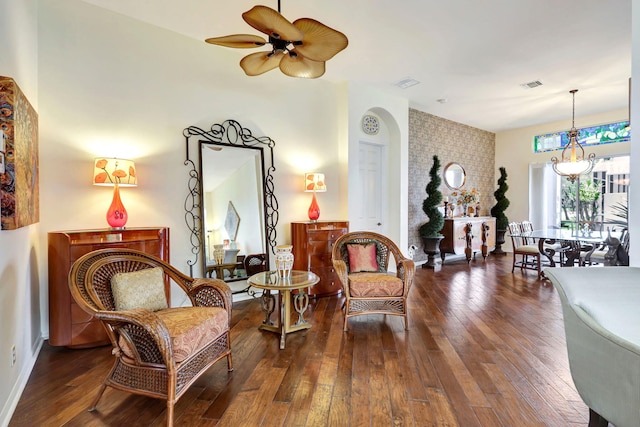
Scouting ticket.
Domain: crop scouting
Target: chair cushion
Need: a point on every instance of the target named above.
(375, 285)
(190, 329)
(362, 257)
(531, 249)
(139, 289)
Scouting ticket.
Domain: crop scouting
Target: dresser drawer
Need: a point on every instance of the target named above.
(326, 235)
(78, 315)
(329, 283)
(320, 261)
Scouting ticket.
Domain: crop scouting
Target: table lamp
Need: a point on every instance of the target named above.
(314, 182)
(116, 173)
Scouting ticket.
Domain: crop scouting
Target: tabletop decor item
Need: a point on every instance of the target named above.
(465, 198)
(218, 253)
(284, 260)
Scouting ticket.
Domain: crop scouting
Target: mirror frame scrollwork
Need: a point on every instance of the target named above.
(228, 133)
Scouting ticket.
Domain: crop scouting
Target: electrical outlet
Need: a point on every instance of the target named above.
(13, 355)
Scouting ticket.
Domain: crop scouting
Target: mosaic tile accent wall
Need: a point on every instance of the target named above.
(472, 148)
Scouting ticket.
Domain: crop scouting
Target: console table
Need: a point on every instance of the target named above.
(468, 235)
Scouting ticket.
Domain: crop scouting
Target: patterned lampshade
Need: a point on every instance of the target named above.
(109, 171)
(314, 181)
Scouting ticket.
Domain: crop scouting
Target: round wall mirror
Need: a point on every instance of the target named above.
(454, 176)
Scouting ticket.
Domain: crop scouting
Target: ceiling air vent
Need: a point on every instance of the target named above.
(406, 82)
(532, 84)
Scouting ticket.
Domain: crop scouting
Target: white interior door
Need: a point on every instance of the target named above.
(373, 187)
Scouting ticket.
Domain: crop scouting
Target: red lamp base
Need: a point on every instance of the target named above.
(117, 214)
(314, 209)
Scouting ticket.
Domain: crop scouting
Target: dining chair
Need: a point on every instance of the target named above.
(558, 249)
(526, 256)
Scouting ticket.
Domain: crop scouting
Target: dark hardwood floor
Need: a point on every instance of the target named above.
(485, 348)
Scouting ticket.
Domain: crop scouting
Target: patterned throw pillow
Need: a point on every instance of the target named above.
(139, 289)
(362, 257)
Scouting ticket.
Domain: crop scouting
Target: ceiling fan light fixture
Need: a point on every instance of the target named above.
(241, 41)
(258, 63)
(296, 65)
(320, 43)
(270, 22)
(299, 49)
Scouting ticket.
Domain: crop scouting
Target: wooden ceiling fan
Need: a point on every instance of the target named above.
(299, 49)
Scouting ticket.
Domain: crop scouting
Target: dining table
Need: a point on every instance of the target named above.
(575, 245)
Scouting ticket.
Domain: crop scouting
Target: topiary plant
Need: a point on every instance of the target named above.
(430, 204)
(502, 203)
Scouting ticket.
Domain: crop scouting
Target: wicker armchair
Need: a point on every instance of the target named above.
(158, 353)
(368, 291)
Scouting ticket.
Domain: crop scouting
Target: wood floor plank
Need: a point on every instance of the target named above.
(485, 347)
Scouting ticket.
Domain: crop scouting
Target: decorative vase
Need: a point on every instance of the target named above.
(314, 209)
(465, 209)
(284, 260)
(218, 253)
(117, 214)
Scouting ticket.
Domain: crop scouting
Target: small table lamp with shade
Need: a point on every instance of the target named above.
(314, 182)
(117, 173)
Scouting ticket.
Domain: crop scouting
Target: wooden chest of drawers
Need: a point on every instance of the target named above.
(69, 325)
(312, 245)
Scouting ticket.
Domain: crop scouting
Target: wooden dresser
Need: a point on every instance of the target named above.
(457, 242)
(69, 325)
(312, 245)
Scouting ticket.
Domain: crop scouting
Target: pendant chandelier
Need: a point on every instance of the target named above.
(573, 162)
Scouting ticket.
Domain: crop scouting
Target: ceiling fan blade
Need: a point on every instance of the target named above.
(296, 65)
(260, 62)
(270, 22)
(319, 43)
(238, 41)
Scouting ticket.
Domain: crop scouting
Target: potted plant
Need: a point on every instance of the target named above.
(497, 211)
(430, 231)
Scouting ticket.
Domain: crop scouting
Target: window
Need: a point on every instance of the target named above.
(591, 204)
(594, 135)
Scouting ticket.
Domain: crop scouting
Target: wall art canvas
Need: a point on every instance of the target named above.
(19, 186)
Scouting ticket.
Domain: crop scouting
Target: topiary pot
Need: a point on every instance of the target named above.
(431, 247)
(499, 242)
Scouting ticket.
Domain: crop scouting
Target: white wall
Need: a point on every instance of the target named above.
(394, 112)
(21, 253)
(514, 151)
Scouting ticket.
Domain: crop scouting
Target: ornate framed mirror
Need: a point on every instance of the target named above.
(231, 209)
(454, 176)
